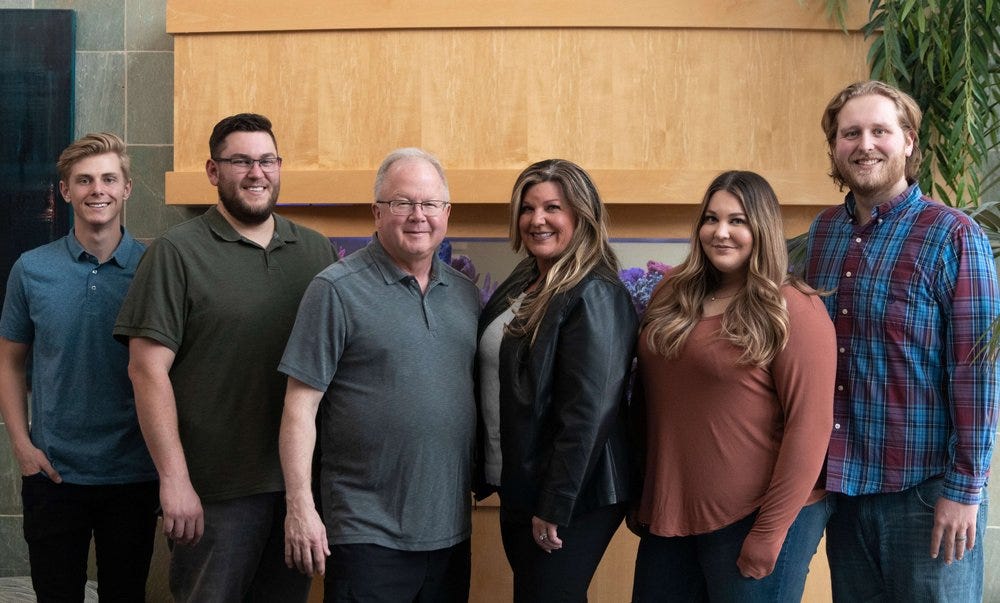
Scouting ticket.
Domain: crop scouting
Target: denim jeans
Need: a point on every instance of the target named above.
(241, 556)
(703, 567)
(879, 549)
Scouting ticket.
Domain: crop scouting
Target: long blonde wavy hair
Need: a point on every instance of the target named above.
(756, 320)
(588, 249)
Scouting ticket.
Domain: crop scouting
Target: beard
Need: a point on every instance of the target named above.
(244, 212)
(872, 184)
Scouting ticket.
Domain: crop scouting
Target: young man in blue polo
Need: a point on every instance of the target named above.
(86, 471)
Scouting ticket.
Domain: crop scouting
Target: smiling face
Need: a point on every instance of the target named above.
(411, 241)
(725, 236)
(870, 149)
(97, 190)
(546, 223)
(248, 197)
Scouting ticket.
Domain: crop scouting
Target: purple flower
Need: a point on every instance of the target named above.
(464, 264)
(640, 283)
(654, 266)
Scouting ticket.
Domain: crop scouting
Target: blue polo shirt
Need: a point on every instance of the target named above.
(63, 303)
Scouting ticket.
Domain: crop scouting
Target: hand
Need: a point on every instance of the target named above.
(306, 543)
(545, 535)
(183, 517)
(32, 461)
(757, 557)
(954, 529)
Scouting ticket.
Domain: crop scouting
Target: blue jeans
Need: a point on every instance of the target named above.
(879, 549)
(241, 556)
(703, 567)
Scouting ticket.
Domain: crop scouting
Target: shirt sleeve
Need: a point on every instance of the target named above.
(156, 304)
(967, 291)
(318, 338)
(15, 322)
(804, 373)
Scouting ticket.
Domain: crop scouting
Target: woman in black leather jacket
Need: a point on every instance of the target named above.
(556, 346)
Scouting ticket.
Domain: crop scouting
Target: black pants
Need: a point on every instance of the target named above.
(59, 520)
(563, 575)
(371, 573)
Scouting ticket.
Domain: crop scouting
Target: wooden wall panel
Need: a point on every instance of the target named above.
(653, 113)
(190, 16)
(490, 220)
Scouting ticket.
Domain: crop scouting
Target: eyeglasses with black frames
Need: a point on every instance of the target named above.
(243, 164)
(405, 207)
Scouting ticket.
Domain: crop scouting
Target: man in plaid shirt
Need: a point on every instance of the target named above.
(915, 409)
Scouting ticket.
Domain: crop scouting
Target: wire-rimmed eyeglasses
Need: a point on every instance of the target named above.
(405, 207)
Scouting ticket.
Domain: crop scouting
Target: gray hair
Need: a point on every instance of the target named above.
(408, 153)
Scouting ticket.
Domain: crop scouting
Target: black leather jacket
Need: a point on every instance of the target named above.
(564, 437)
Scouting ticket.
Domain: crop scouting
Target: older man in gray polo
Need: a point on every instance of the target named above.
(384, 345)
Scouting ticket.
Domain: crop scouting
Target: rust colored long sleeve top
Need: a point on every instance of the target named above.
(725, 439)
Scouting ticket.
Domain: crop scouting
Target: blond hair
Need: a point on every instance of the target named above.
(90, 145)
(588, 249)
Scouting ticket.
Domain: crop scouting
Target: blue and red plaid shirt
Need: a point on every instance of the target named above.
(915, 292)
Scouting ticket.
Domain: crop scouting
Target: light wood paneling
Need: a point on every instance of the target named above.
(478, 220)
(191, 16)
(486, 186)
(653, 113)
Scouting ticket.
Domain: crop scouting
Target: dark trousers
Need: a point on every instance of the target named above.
(240, 557)
(565, 574)
(59, 520)
(371, 573)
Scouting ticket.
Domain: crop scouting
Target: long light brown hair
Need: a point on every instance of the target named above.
(756, 321)
(588, 248)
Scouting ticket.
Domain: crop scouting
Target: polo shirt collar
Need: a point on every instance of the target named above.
(225, 231)
(123, 255)
(882, 210)
(393, 273)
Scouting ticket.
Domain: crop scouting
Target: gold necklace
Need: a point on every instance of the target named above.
(718, 297)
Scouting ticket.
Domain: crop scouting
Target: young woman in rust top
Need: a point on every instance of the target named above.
(736, 377)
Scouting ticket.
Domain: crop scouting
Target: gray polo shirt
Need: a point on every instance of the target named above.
(398, 417)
